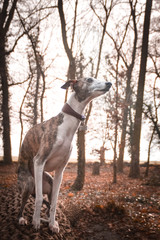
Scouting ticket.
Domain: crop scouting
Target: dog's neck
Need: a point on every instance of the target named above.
(74, 107)
(68, 110)
(75, 104)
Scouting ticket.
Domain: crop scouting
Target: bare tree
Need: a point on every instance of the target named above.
(151, 107)
(35, 94)
(9, 38)
(116, 72)
(79, 182)
(6, 16)
(21, 112)
(134, 169)
(33, 99)
(72, 75)
(149, 151)
(81, 147)
(69, 50)
(107, 11)
(128, 91)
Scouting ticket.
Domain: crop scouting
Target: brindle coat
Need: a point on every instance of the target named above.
(47, 147)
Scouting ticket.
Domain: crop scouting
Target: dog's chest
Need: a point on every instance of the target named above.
(58, 157)
(61, 148)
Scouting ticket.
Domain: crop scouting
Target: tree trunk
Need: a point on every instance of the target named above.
(5, 104)
(149, 150)
(124, 123)
(134, 169)
(72, 65)
(35, 107)
(115, 155)
(79, 182)
(102, 155)
(123, 135)
(96, 168)
(6, 16)
(128, 94)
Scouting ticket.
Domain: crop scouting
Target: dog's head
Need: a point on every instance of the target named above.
(88, 88)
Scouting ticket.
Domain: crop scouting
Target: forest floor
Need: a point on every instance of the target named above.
(129, 209)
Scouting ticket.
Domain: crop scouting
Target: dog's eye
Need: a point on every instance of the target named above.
(90, 80)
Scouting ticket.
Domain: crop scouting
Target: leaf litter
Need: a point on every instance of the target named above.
(129, 209)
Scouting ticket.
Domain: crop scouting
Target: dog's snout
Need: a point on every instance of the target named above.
(108, 85)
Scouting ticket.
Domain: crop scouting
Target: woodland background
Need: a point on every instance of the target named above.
(43, 43)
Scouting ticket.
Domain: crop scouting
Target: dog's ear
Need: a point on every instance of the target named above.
(68, 84)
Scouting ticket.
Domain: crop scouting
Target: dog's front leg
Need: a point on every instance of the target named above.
(53, 224)
(38, 175)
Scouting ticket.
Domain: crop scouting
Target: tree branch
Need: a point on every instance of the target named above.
(11, 14)
(74, 25)
(63, 25)
(3, 14)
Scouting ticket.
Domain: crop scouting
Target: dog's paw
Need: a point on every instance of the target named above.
(36, 223)
(54, 227)
(22, 221)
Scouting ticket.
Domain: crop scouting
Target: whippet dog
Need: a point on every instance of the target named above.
(47, 147)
